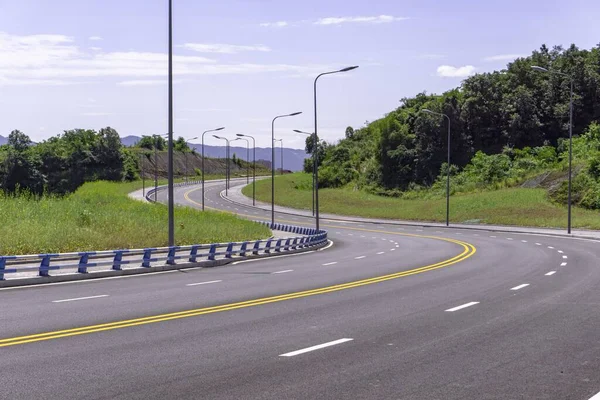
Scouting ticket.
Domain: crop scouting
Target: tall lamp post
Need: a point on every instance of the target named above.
(281, 140)
(541, 69)
(204, 133)
(316, 141)
(247, 157)
(273, 161)
(227, 162)
(253, 167)
(186, 158)
(171, 200)
(448, 166)
(313, 174)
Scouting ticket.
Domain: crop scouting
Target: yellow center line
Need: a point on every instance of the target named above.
(468, 251)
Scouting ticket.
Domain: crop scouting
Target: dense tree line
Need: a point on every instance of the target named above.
(490, 112)
(64, 162)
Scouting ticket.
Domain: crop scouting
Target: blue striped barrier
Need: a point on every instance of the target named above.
(115, 259)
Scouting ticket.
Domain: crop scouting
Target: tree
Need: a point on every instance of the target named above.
(19, 141)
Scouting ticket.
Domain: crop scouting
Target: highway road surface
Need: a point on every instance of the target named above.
(385, 312)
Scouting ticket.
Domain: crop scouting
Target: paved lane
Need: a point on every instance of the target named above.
(392, 338)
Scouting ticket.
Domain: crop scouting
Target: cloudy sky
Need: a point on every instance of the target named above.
(88, 64)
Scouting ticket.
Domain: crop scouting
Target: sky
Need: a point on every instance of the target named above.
(68, 64)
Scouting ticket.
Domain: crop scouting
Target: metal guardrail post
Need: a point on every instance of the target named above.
(243, 249)
(229, 250)
(212, 251)
(83, 261)
(193, 253)
(44, 265)
(147, 258)
(256, 247)
(171, 255)
(117, 260)
(2, 267)
(268, 246)
(278, 246)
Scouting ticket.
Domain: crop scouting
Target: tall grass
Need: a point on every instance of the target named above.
(507, 206)
(100, 216)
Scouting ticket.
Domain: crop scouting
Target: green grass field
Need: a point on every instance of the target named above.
(100, 216)
(512, 206)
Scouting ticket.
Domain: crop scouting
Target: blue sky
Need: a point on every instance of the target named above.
(68, 63)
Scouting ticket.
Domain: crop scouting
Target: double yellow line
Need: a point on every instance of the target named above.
(468, 251)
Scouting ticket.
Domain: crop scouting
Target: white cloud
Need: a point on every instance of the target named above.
(95, 38)
(223, 48)
(96, 48)
(278, 24)
(448, 71)
(503, 57)
(381, 19)
(56, 60)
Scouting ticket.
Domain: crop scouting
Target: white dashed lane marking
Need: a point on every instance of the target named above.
(550, 273)
(462, 306)
(520, 286)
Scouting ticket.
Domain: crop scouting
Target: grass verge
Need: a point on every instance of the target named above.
(511, 206)
(100, 216)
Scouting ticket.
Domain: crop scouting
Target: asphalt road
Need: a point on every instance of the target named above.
(386, 312)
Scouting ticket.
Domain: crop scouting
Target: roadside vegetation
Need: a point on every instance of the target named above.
(509, 151)
(100, 216)
(506, 206)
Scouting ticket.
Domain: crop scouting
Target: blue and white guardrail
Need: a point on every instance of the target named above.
(175, 257)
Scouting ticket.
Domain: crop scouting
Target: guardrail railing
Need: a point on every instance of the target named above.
(201, 254)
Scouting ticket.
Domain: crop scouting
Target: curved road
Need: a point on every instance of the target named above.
(384, 312)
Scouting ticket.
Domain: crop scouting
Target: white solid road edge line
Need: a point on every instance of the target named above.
(520, 286)
(550, 273)
(317, 347)
(202, 283)
(463, 306)
(80, 298)
(283, 272)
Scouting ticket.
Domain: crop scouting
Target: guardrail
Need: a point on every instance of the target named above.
(194, 255)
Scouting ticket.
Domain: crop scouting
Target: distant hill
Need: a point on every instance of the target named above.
(293, 159)
(3, 140)
(130, 140)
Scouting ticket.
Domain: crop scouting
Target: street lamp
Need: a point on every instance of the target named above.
(253, 166)
(541, 69)
(316, 141)
(313, 174)
(227, 162)
(273, 161)
(448, 166)
(247, 157)
(281, 140)
(171, 199)
(186, 159)
(203, 133)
